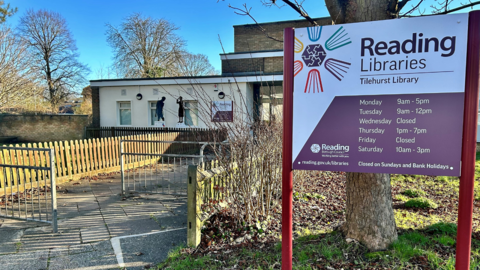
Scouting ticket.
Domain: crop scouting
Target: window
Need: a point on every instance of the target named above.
(124, 92)
(191, 113)
(152, 108)
(125, 113)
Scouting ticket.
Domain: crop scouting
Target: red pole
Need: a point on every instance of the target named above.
(470, 117)
(287, 173)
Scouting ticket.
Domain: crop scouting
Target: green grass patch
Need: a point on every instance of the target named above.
(442, 228)
(413, 193)
(411, 250)
(411, 220)
(421, 203)
(402, 198)
(445, 240)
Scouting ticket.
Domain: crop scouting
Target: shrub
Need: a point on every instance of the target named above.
(421, 203)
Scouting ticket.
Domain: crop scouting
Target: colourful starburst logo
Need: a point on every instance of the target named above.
(314, 55)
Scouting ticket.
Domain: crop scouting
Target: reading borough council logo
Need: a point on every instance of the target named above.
(315, 148)
(315, 54)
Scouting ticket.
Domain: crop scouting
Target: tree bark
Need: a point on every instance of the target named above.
(369, 217)
(369, 212)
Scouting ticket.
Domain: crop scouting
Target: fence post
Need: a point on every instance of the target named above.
(53, 190)
(194, 202)
(121, 167)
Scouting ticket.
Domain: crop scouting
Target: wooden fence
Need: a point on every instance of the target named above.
(76, 159)
(206, 184)
(184, 134)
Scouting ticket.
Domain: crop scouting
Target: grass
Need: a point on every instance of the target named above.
(413, 193)
(421, 203)
(431, 248)
(425, 209)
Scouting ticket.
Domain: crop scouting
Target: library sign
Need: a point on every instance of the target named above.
(380, 97)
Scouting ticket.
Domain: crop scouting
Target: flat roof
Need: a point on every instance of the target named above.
(185, 80)
(287, 21)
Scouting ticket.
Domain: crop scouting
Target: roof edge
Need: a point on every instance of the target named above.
(286, 21)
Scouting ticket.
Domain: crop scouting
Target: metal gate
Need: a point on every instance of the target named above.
(28, 189)
(151, 166)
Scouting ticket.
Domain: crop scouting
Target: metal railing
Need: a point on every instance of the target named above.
(155, 172)
(29, 191)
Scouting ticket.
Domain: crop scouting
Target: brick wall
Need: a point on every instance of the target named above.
(249, 37)
(95, 106)
(267, 65)
(44, 128)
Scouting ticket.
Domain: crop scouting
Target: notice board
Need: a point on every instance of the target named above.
(381, 97)
(222, 111)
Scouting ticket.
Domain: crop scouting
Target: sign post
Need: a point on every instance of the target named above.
(287, 173)
(368, 99)
(470, 118)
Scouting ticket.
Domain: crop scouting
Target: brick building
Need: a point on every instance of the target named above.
(253, 72)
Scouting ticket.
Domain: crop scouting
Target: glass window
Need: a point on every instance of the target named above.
(191, 113)
(153, 108)
(125, 113)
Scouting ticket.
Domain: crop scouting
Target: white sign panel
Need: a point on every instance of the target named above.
(364, 89)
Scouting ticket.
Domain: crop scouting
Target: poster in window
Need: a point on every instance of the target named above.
(222, 111)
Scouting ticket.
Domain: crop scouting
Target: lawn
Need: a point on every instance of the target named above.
(425, 213)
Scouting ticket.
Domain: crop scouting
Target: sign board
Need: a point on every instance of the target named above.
(380, 97)
(222, 111)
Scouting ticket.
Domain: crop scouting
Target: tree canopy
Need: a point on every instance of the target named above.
(54, 53)
(6, 11)
(145, 47)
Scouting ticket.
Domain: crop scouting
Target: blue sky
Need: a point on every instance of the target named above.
(200, 22)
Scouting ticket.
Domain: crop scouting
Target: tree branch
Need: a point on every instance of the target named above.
(448, 11)
(246, 12)
(300, 11)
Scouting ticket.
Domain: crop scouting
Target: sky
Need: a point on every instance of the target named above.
(201, 22)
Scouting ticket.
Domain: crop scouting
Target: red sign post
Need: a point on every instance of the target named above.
(287, 173)
(468, 144)
(465, 200)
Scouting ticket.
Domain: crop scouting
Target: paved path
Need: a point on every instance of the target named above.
(98, 229)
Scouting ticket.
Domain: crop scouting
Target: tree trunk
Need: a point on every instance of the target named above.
(369, 212)
(369, 217)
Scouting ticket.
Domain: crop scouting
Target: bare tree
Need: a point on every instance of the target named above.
(195, 65)
(145, 47)
(6, 11)
(55, 54)
(17, 79)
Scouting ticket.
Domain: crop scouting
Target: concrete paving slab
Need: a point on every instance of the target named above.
(32, 261)
(154, 248)
(94, 234)
(59, 251)
(131, 226)
(144, 209)
(172, 222)
(103, 248)
(10, 240)
(88, 206)
(76, 249)
(81, 221)
(84, 261)
(16, 224)
(41, 240)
